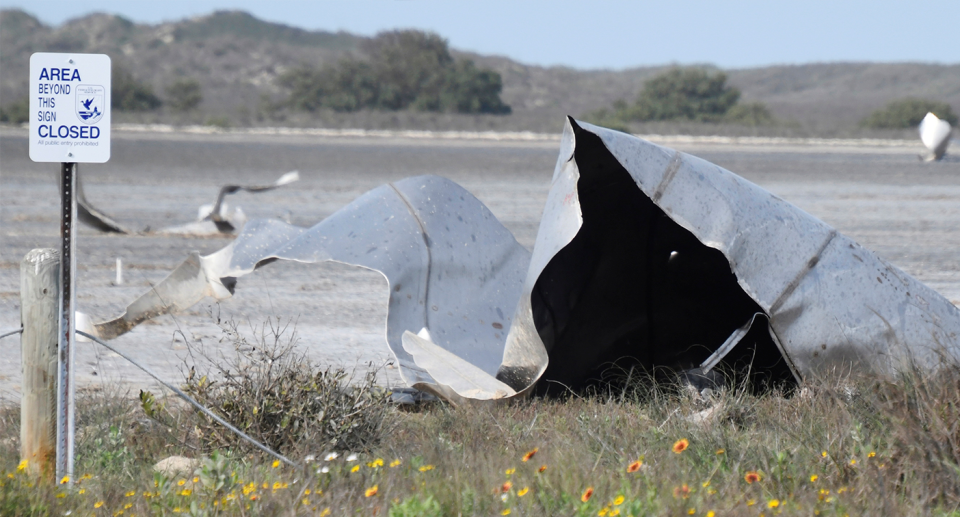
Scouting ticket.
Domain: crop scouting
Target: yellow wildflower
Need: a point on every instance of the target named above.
(773, 503)
(426, 468)
(355, 468)
(523, 491)
(276, 463)
(65, 480)
(618, 501)
(182, 482)
(130, 494)
(395, 463)
(372, 491)
(22, 466)
(505, 512)
(510, 471)
(814, 478)
(98, 504)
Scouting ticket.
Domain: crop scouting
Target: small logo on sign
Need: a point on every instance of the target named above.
(90, 103)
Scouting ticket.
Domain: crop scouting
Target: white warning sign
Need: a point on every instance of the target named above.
(69, 108)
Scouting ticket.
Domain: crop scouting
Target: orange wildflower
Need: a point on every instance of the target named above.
(635, 466)
(752, 476)
(506, 487)
(681, 445)
(372, 491)
(542, 469)
(587, 494)
(528, 456)
(682, 491)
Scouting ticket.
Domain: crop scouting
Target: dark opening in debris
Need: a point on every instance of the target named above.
(634, 291)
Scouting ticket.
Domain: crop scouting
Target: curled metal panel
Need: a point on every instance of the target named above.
(645, 258)
(827, 300)
(452, 268)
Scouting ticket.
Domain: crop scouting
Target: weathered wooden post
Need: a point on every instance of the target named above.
(40, 317)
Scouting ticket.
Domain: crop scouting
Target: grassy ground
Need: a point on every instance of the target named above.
(850, 446)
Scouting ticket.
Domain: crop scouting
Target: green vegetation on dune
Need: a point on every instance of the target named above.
(906, 113)
(241, 24)
(688, 94)
(184, 94)
(16, 112)
(406, 69)
(129, 94)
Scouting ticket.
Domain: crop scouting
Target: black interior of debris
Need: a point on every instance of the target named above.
(635, 292)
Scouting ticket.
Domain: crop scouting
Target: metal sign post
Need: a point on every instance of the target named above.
(69, 124)
(66, 381)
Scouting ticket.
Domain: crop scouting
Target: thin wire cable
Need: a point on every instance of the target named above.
(193, 402)
(12, 332)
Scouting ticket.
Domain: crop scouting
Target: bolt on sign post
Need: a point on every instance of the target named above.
(69, 124)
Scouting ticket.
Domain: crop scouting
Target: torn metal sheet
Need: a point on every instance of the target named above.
(935, 135)
(654, 259)
(219, 218)
(454, 272)
(212, 219)
(646, 260)
(91, 216)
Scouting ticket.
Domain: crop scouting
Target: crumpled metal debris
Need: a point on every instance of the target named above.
(212, 219)
(651, 257)
(454, 272)
(646, 260)
(221, 219)
(935, 135)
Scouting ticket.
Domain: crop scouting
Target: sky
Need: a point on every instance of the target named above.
(605, 33)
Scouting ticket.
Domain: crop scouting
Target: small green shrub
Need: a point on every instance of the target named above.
(685, 93)
(908, 112)
(219, 122)
(272, 393)
(184, 94)
(749, 114)
(416, 506)
(128, 94)
(16, 112)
